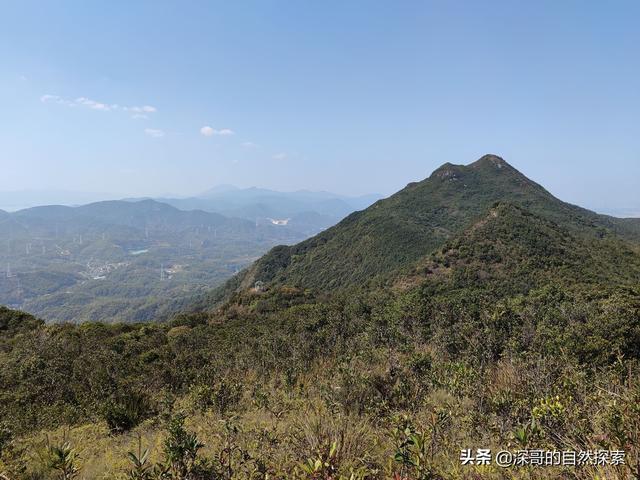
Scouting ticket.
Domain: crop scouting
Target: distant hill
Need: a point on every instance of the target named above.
(395, 232)
(308, 212)
(218, 189)
(121, 260)
(143, 214)
(21, 199)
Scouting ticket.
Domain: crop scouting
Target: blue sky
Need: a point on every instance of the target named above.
(346, 96)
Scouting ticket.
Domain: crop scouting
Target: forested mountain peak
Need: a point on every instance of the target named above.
(491, 160)
(486, 170)
(395, 232)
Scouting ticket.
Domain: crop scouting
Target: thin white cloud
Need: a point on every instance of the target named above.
(279, 156)
(208, 131)
(92, 104)
(249, 145)
(144, 109)
(51, 98)
(96, 105)
(154, 132)
(139, 116)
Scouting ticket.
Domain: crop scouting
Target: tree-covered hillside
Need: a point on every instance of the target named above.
(402, 228)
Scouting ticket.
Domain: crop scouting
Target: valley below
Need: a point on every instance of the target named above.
(130, 261)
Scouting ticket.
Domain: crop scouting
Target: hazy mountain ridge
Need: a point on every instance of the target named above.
(307, 211)
(120, 260)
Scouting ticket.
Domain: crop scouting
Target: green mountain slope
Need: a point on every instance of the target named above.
(103, 215)
(396, 231)
(513, 251)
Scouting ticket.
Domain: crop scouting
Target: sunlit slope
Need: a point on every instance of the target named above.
(395, 232)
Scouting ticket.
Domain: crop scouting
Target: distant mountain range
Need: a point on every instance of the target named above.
(104, 260)
(121, 260)
(320, 209)
(306, 211)
(21, 199)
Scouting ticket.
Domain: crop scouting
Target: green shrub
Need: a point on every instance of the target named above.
(125, 412)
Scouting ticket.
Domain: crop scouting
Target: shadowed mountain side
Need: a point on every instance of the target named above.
(518, 251)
